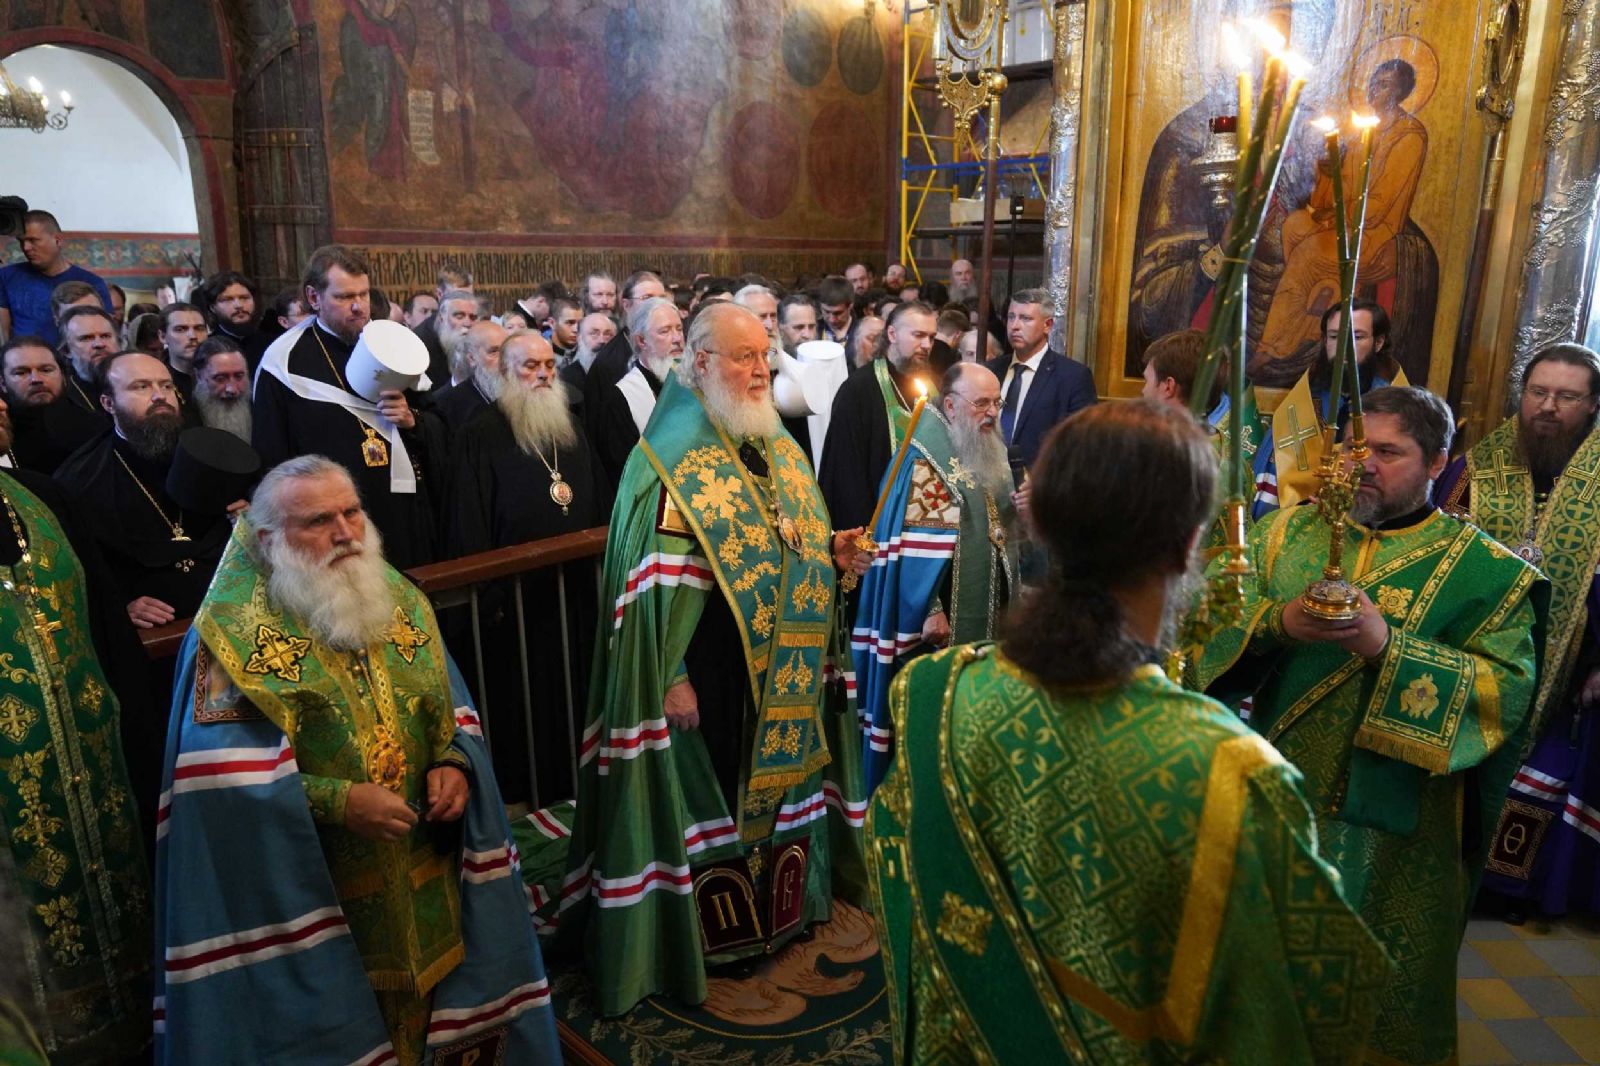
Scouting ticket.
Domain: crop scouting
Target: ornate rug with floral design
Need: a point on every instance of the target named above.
(820, 1002)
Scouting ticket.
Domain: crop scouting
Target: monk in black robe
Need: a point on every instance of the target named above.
(524, 471)
(479, 350)
(162, 556)
(46, 427)
(858, 448)
(287, 424)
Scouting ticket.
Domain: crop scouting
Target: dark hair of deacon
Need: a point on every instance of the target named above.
(1118, 493)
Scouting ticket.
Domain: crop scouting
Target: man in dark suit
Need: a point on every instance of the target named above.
(1039, 387)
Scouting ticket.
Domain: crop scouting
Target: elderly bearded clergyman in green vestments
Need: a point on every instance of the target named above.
(1408, 722)
(1079, 861)
(719, 787)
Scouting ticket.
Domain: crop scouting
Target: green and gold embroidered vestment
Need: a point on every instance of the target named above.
(382, 715)
(1386, 744)
(69, 834)
(1122, 874)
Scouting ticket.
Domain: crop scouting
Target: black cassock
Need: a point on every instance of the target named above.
(457, 404)
(856, 453)
(134, 537)
(500, 495)
(43, 437)
(286, 426)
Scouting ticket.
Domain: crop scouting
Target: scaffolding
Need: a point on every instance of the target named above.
(941, 166)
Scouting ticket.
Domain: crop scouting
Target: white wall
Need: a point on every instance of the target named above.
(119, 166)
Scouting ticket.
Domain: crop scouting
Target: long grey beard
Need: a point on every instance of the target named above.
(739, 416)
(660, 366)
(230, 415)
(539, 417)
(346, 607)
(984, 455)
(489, 382)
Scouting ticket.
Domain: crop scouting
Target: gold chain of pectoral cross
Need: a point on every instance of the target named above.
(374, 449)
(178, 535)
(28, 586)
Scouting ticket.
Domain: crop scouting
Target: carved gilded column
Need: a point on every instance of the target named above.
(1066, 113)
(1556, 285)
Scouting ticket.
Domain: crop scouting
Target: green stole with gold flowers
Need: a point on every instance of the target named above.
(899, 416)
(69, 834)
(1566, 532)
(382, 715)
(782, 601)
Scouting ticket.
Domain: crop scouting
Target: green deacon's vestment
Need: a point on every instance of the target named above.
(69, 835)
(337, 709)
(1406, 756)
(726, 840)
(1119, 874)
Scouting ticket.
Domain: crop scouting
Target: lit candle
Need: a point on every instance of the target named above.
(66, 99)
(1241, 60)
(900, 455)
(1366, 124)
(1335, 163)
(1299, 70)
(35, 86)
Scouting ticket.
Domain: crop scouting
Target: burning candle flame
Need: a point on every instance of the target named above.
(66, 99)
(1267, 34)
(922, 389)
(1363, 122)
(1233, 46)
(1325, 124)
(1297, 65)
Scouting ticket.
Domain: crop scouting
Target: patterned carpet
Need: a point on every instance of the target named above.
(1530, 993)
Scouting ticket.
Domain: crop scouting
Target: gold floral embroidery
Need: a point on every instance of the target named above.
(718, 496)
(811, 591)
(793, 675)
(60, 917)
(277, 653)
(765, 615)
(15, 674)
(748, 579)
(93, 693)
(785, 738)
(405, 637)
(1394, 601)
(1420, 698)
(962, 924)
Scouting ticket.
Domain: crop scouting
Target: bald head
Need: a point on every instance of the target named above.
(480, 348)
(961, 273)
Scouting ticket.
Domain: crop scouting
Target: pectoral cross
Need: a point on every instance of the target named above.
(1297, 439)
(47, 629)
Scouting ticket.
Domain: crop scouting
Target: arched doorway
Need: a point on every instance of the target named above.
(119, 176)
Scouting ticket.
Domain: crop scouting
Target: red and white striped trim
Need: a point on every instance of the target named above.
(920, 544)
(537, 897)
(382, 1055)
(624, 744)
(590, 743)
(217, 954)
(158, 1014)
(833, 673)
(626, 891)
(457, 1023)
(480, 867)
(659, 568)
(808, 810)
(1582, 817)
(886, 650)
(575, 886)
(197, 771)
(703, 836)
(468, 722)
(1267, 488)
(1542, 786)
(879, 738)
(855, 814)
(549, 826)
(163, 812)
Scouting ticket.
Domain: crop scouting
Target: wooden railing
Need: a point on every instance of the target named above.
(456, 583)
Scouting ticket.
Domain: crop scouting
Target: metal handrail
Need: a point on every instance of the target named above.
(434, 579)
(456, 583)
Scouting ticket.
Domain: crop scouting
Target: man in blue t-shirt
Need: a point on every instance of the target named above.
(25, 287)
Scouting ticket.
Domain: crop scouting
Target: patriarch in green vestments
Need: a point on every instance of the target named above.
(719, 787)
(1078, 860)
(1408, 721)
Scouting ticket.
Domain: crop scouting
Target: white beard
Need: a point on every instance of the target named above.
(539, 417)
(489, 382)
(230, 415)
(347, 606)
(584, 355)
(661, 366)
(739, 415)
(984, 455)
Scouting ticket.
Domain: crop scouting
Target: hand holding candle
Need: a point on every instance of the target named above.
(900, 455)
